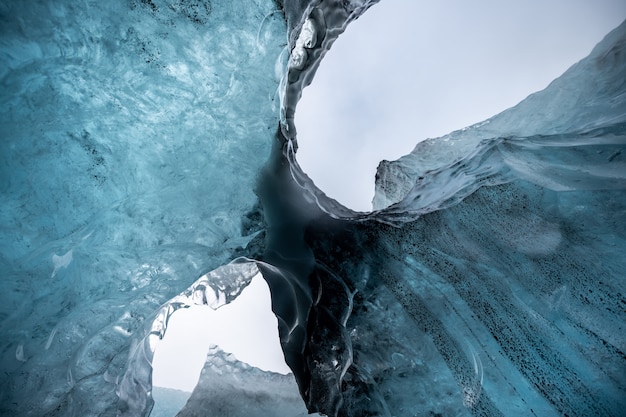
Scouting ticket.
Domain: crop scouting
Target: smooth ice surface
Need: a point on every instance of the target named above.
(146, 169)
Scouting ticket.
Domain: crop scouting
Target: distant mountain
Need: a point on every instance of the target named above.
(167, 401)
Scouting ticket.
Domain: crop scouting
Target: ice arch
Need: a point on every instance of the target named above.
(226, 382)
(492, 285)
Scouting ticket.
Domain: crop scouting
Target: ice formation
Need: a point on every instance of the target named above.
(149, 143)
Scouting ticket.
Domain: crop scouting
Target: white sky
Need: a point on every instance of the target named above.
(408, 70)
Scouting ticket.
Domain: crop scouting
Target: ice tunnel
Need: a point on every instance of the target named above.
(148, 164)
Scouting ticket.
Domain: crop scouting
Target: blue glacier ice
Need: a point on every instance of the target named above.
(132, 133)
(148, 164)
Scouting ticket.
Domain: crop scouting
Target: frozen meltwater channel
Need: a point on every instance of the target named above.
(406, 71)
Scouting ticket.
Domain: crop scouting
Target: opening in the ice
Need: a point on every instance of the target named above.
(406, 71)
(244, 330)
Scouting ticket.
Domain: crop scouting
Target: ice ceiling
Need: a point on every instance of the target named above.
(148, 164)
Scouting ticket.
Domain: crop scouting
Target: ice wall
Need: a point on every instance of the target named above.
(146, 143)
(239, 390)
(132, 132)
(493, 286)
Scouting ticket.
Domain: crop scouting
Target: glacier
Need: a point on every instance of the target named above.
(149, 164)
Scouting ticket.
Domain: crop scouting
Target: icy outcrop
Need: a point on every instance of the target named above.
(142, 150)
(504, 297)
(228, 387)
(588, 96)
(497, 275)
(313, 28)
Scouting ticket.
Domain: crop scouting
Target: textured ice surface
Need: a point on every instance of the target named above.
(132, 132)
(228, 387)
(135, 135)
(494, 286)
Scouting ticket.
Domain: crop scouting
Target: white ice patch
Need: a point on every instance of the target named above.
(62, 261)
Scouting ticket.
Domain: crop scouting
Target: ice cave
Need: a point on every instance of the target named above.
(148, 165)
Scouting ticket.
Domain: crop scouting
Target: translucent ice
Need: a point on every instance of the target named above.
(493, 285)
(144, 150)
(132, 132)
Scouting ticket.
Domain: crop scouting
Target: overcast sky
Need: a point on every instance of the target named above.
(408, 70)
